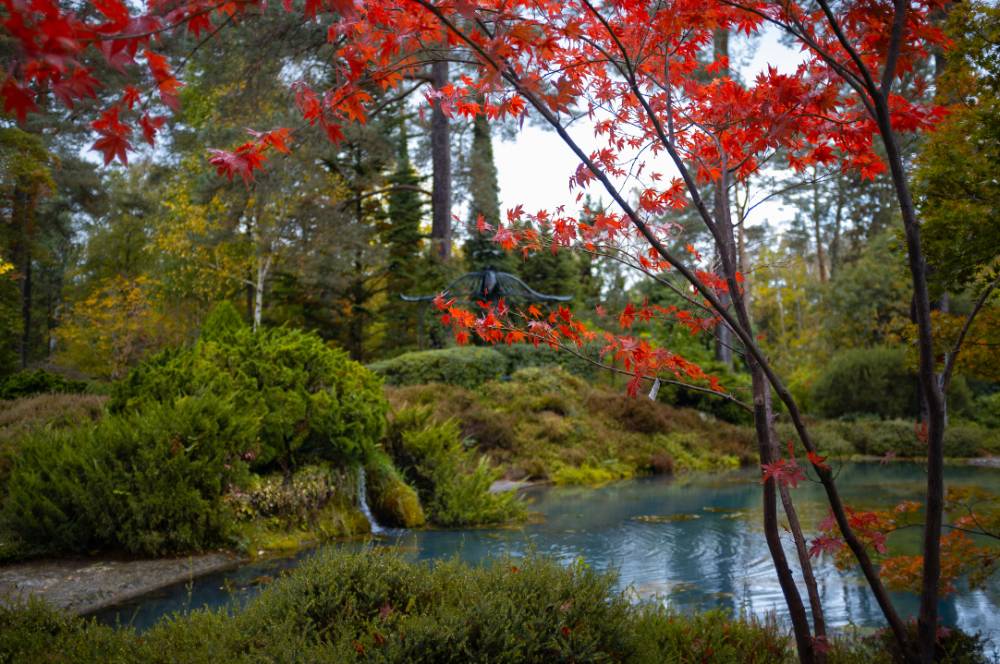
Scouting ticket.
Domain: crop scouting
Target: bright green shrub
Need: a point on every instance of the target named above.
(222, 324)
(467, 366)
(27, 383)
(312, 401)
(452, 483)
(867, 381)
(149, 482)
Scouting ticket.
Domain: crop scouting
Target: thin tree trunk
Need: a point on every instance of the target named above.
(441, 162)
(795, 527)
(817, 231)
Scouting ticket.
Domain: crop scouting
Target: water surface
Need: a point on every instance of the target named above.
(712, 555)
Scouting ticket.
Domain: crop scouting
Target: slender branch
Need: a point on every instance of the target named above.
(950, 360)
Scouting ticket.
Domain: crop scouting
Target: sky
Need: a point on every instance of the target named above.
(534, 169)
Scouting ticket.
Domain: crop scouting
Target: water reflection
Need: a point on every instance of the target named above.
(718, 559)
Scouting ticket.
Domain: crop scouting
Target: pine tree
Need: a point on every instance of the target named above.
(480, 250)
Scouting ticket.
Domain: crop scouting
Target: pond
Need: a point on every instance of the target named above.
(705, 551)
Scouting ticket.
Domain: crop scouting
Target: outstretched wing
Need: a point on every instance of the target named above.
(512, 288)
(463, 288)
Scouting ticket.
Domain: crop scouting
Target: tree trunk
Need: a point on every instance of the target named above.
(441, 161)
(765, 444)
(795, 527)
(818, 232)
(25, 349)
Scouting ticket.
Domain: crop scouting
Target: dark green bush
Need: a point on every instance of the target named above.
(311, 401)
(149, 482)
(467, 366)
(899, 437)
(27, 383)
(453, 485)
(737, 384)
(374, 607)
(867, 381)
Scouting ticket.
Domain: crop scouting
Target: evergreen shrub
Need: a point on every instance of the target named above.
(867, 381)
(466, 366)
(311, 401)
(28, 383)
(149, 482)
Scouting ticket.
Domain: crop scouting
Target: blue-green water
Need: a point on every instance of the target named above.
(714, 556)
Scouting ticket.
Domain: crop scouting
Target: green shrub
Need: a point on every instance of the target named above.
(27, 383)
(867, 381)
(148, 483)
(222, 324)
(374, 607)
(19, 417)
(467, 366)
(986, 410)
(312, 401)
(522, 356)
(453, 485)
(734, 383)
(899, 437)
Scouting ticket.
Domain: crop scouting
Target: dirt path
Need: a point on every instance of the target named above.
(87, 584)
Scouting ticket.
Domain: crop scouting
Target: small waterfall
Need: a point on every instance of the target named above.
(363, 503)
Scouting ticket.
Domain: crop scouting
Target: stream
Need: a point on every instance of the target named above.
(705, 548)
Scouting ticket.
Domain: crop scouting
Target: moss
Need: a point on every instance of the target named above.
(593, 475)
(391, 499)
(267, 536)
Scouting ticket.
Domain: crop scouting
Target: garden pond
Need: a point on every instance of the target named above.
(693, 542)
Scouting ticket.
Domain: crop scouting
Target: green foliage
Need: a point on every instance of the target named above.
(867, 381)
(471, 366)
(27, 383)
(544, 423)
(452, 483)
(467, 366)
(311, 401)
(986, 410)
(45, 412)
(735, 383)
(391, 499)
(373, 606)
(873, 437)
(953, 647)
(222, 323)
(149, 482)
(955, 183)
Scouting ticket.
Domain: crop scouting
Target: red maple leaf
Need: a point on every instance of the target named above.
(17, 99)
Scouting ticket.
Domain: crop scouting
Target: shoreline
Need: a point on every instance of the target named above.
(84, 585)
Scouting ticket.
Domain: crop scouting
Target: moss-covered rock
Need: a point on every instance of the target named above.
(391, 499)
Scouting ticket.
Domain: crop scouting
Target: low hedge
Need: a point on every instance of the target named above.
(874, 437)
(471, 366)
(375, 607)
(28, 383)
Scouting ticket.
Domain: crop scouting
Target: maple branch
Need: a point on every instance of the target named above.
(951, 357)
(895, 41)
(624, 372)
(846, 45)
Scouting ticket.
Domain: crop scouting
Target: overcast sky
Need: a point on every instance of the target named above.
(534, 169)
